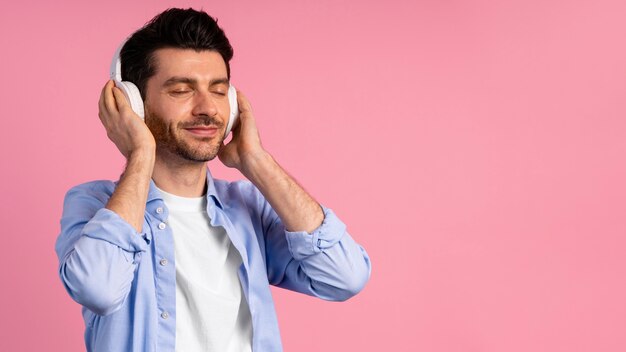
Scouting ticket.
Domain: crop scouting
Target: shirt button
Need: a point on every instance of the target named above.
(162, 225)
(159, 210)
(163, 262)
(165, 315)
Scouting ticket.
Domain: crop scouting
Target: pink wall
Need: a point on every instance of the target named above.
(475, 148)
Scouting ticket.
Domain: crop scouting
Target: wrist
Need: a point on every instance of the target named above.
(253, 165)
(142, 159)
(145, 153)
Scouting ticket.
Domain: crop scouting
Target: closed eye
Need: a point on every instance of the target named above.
(180, 92)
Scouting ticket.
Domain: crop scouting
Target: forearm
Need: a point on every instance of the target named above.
(297, 210)
(98, 274)
(326, 263)
(129, 198)
(337, 272)
(97, 249)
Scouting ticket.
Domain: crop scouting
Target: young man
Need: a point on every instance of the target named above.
(168, 258)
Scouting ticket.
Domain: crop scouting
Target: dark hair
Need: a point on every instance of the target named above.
(173, 28)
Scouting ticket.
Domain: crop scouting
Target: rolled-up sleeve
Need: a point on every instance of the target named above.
(107, 226)
(326, 263)
(303, 244)
(98, 251)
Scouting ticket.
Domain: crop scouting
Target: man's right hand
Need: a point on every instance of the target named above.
(124, 127)
(135, 141)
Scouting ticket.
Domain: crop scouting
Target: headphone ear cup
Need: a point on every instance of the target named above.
(234, 109)
(134, 97)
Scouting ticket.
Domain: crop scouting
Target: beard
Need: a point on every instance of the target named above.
(175, 140)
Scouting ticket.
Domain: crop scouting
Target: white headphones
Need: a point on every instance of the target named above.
(131, 92)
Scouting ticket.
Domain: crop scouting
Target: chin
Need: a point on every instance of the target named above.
(196, 155)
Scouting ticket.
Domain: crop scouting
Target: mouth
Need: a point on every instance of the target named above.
(203, 131)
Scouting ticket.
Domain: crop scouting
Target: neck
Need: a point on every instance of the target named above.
(183, 178)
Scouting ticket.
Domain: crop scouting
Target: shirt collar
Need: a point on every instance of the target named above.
(153, 192)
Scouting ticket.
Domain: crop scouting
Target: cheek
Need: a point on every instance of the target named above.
(169, 112)
(156, 121)
(156, 124)
(225, 107)
(178, 112)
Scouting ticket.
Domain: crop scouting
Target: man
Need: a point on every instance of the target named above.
(168, 258)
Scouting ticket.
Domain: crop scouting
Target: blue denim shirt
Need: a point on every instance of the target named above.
(126, 281)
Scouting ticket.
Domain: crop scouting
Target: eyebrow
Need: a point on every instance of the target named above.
(191, 81)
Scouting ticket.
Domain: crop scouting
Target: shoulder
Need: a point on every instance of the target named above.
(100, 190)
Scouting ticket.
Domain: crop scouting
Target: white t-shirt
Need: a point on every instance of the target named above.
(212, 313)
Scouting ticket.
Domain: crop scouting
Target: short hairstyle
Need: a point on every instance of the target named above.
(173, 28)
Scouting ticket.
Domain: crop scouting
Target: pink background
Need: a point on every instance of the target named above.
(475, 148)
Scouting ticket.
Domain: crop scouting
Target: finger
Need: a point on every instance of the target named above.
(120, 99)
(106, 105)
(243, 102)
(109, 100)
(101, 99)
(101, 105)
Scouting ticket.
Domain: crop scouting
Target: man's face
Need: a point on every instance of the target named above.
(187, 103)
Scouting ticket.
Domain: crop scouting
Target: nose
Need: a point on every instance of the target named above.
(204, 105)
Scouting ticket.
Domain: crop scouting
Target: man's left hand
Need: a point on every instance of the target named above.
(245, 146)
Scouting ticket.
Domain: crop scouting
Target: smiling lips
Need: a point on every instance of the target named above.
(203, 131)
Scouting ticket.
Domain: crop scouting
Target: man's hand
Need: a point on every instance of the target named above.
(124, 127)
(135, 141)
(295, 207)
(246, 143)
